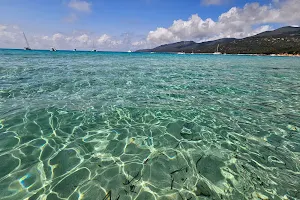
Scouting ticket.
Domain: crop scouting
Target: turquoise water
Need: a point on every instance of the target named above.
(85, 125)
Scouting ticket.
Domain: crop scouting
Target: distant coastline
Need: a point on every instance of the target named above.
(275, 55)
(284, 41)
(86, 51)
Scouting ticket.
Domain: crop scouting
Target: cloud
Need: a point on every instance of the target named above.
(3, 27)
(108, 41)
(237, 22)
(71, 18)
(56, 36)
(83, 38)
(10, 37)
(103, 39)
(84, 41)
(80, 5)
(212, 2)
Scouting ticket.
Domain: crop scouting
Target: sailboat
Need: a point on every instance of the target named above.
(129, 51)
(52, 49)
(27, 47)
(217, 52)
(94, 49)
(181, 53)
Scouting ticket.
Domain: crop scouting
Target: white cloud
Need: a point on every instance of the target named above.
(103, 39)
(83, 38)
(162, 35)
(8, 36)
(3, 27)
(80, 5)
(57, 36)
(108, 41)
(139, 43)
(13, 38)
(237, 22)
(212, 2)
(71, 18)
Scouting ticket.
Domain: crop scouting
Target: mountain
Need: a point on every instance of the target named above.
(282, 40)
(284, 31)
(182, 46)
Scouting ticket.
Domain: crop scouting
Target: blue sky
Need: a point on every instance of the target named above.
(116, 17)
(107, 16)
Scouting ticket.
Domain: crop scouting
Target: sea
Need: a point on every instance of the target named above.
(159, 126)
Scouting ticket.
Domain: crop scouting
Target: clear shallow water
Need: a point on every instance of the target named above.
(82, 125)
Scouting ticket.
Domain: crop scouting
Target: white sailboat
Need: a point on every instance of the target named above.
(181, 53)
(217, 52)
(94, 49)
(129, 51)
(27, 47)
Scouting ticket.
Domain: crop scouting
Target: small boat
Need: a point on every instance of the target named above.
(181, 53)
(94, 49)
(217, 52)
(27, 47)
(129, 51)
(74, 49)
(152, 52)
(52, 49)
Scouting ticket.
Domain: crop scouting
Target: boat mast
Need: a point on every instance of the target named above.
(94, 47)
(26, 41)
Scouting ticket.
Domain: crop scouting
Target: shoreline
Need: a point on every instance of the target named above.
(189, 53)
(246, 54)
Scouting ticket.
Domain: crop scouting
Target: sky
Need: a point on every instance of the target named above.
(122, 25)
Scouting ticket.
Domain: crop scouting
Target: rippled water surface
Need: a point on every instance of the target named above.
(120, 126)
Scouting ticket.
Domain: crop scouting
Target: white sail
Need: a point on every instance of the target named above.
(94, 49)
(217, 52)
(27, 47)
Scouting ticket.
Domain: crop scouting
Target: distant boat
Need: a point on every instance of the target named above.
(94, 49)
(52, 49)
(74, 49)
(152, 52)
(27, 47)
(129, 51)
(192, 53)
(217, 52)
(181, 53)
